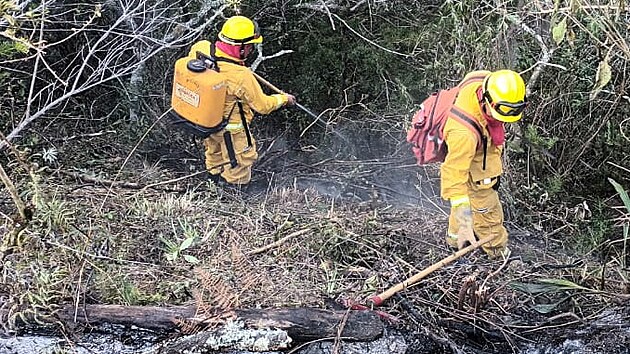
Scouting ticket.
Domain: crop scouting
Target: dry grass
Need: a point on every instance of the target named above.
(80, 250)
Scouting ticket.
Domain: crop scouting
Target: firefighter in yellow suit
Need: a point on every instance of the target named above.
(471, 171)
(231, 153)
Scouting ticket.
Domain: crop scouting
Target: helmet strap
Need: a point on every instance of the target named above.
(485, 111)
(482, 96)
(484, 104)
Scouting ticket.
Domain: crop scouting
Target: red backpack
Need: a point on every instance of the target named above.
(427, 127)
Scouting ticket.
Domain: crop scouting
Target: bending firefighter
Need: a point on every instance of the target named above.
(471, 171)
(231, 152)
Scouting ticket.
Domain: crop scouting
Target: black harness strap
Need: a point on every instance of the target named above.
(227, 136)
(484, 139)
(468, 121)
(481, 138)
(245, 125)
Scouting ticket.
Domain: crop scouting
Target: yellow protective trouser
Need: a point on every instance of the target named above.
(487, 214)
(218, 156)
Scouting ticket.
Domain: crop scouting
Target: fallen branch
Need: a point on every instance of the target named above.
(506, 260)
(102, 181)
(340, 328)
(173, 180)
(123, 184)
(278, 243)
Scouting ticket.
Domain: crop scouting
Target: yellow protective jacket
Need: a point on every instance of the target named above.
(241, 84)
(464, 160)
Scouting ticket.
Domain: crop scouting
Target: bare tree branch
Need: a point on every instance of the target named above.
(260, 58)
(195, 25)
(547, 52)
(109, 50)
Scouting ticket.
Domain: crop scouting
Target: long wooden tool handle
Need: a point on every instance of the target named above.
(267, 83)
(306, 110)
(377, 300)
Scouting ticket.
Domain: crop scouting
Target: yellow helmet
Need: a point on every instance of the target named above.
(238, 30)
(504, 91)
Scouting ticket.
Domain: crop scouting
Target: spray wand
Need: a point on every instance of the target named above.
(301, 107)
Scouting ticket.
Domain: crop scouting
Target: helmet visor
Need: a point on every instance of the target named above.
(506, 109)
(509, 109)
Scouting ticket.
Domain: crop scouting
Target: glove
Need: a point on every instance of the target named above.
(290, 100)
(463, 217)
(465, 234)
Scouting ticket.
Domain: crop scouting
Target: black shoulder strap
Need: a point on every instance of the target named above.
(474, 126)
(471, 123)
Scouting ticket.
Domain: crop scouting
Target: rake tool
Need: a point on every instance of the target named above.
(378, 300)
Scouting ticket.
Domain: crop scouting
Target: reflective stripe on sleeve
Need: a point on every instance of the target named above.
(279, 101)
(234, 126)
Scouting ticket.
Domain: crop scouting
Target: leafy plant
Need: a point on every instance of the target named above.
(625, 220)
(538, 140)
(50, 155)
(56, 214)
(129, 292)
(554, 185)
(544, 286)
(624, 197)
(331, 275)
(547, 308)
(596, 232)
(174, 249)
(547, 287)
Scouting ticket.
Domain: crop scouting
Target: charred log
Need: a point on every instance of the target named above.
(301, 324)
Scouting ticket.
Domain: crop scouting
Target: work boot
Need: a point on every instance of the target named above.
(451, 240)
(215, 178)
(497, 253)
(233, 190)
(222, 186)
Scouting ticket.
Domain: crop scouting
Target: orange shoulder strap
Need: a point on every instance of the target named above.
(472, 79)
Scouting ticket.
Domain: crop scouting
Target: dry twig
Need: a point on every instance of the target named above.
(21, 207)
(278, 243)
